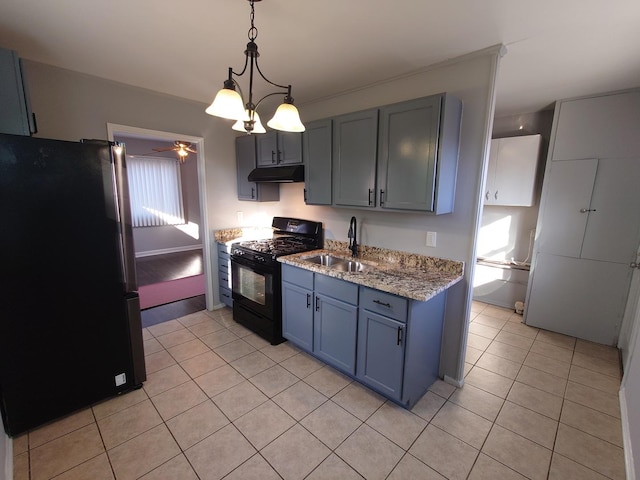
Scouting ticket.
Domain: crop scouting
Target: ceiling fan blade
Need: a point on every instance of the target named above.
(189, 149)
(168, 149)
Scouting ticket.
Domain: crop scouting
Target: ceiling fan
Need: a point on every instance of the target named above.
(182, 148)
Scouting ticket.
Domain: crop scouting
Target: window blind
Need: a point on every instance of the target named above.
(155, 191)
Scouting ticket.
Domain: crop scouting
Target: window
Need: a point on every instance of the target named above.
(155, 191)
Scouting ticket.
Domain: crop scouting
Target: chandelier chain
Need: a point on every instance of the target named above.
(253, 31)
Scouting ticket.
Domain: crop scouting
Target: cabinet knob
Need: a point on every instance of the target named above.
(486, 195)
(495, 195)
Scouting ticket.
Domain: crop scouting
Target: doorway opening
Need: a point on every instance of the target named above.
(172, 260)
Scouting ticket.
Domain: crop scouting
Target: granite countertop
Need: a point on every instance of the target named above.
(239, 234)
(418, 277)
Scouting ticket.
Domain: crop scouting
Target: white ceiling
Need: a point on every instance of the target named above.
(556, 48)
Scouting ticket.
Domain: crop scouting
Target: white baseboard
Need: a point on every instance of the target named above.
(626, 437)
(150, 253)
(453, 381)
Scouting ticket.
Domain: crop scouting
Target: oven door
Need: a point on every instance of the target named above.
(253, 285)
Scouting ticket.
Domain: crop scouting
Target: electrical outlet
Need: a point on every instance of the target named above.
(431, 239)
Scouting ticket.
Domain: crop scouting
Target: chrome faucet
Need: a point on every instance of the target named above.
(353, 245)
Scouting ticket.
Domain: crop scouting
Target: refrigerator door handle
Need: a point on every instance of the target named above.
(121, 198)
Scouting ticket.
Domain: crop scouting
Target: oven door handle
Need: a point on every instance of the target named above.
(255, 266)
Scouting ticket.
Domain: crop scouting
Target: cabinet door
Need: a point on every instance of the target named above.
(335, 326)
(513, 173)
(15, 115)
(267, 145)
(289, 148)
(354, 158)
(381, 345)
(577, 297)
(245, 162)
(316, 151)
(568, 188)
(408, 141)
(297, 315)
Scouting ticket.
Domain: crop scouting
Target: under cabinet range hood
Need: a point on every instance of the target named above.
(282, 174)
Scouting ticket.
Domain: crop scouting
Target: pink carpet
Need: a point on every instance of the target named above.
(171, 291)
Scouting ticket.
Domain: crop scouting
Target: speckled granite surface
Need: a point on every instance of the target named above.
(230, 235)
(409, 275)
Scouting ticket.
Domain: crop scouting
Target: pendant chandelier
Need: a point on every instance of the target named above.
(231, 105)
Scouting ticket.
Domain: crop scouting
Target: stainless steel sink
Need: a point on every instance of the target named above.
(338, 263)
(351, 266)
(326, 260)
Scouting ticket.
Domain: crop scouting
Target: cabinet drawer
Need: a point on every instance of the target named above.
(384, 303)
(297, 276)
(336, 288)
(224, 279)
(223, 265)
(225, 296)
(223, 250)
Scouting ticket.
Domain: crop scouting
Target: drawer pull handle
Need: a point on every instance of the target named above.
(308, 300)
(399, 336)
(388, 305)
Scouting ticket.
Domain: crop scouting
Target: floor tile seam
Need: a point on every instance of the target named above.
(520, 365)
(608, 391)
(616, 394)
(162, 422)
(104, 447)
(551, 451)
(544, 371)
(536, 388)
(104, 452)
(173, 388)
(582, 464)
(617, 377)
(478, 450)
(509, 345)
(95, 421)
(557, 422)
(589, 433)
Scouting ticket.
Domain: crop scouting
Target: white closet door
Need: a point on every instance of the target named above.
(581, 298)
(569, 185)
(613, 229)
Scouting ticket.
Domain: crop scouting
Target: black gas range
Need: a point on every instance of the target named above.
(256, 277)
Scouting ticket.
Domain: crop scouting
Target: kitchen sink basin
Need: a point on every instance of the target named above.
(326, 260)
(338, 263)
(351, 266)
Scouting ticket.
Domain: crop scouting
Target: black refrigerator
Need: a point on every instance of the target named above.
(70, 329)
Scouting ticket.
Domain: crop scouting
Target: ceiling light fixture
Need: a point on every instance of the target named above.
(230, 104)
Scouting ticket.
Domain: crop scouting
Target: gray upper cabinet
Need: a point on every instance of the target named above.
(246, 162)
(355, 149)
(279, 148)
(407, 157)
(317, 154)
(406, 162)
(15, 115)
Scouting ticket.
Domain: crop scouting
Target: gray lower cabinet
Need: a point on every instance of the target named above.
(381, 353)
(387, 342)
(320, 316)
(224, 274)
(246, 162)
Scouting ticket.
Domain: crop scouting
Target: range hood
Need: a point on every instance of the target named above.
(282, 174)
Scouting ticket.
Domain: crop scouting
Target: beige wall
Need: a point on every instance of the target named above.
(72, 106)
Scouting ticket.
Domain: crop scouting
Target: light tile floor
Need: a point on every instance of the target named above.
(222, 403)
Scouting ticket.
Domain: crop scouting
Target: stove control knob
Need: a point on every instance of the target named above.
(260, 259)
(237, 252)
